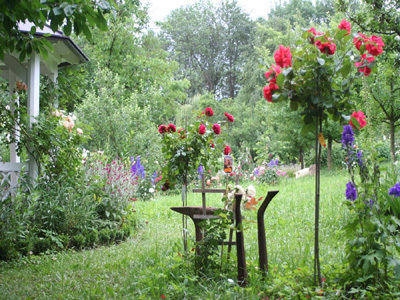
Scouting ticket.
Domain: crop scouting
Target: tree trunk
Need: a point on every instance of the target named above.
(301, 158)
(317, 266)
(392, 140)
(329, 153)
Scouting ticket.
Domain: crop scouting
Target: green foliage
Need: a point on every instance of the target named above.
(373, 228)
(76, 16)
(209, 43)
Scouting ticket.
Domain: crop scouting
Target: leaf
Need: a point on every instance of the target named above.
(321, 61)
(287, 72)
(280, 79)
(294, 105)
(355, 123)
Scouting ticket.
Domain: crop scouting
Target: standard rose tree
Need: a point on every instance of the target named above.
(316, 76)
(200, 143)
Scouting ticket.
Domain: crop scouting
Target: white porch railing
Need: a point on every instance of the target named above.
(9, 174)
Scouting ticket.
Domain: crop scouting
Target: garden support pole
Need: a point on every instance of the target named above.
(262, 243)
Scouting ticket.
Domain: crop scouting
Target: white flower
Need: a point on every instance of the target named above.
(151, 190)
(251, 191)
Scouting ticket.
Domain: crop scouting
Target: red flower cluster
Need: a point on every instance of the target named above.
(268, 91)
(202, 129)
(272, 73)
(360, 117)
(327, 47)
(164, 128)
(314, 34)
(216, 128)
(344, 25)
(283, 57)
(229, 117)
(227, 150)
(372, 44)
(363, 64)
(209, 112)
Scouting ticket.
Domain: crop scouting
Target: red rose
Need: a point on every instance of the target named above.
(273, 72)
(283, 57)
(202, 129)
(216, 128)
(209, 112)
(227, 150)
(165, 186)
(360, 117)
(171, 128)
(182, 132)
(268, 91)
(364, 61)
(327, 47)
(313, 34)
(344, 25)
(358, 41)
(162, 128)
(229, 117)
(374, 45)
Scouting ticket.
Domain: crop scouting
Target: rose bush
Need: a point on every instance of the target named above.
(200, 143)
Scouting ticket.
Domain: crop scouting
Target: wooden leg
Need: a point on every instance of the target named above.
(262, 243)
(241, 257)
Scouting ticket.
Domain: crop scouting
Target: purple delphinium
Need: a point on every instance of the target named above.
(137, 168)
(395, 190)
(256, 171)
(351, 191)
(347, 136)
(271, 164)
(200, 170)
(359, 156)
(153, 178)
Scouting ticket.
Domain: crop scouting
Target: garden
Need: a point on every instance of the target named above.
(306, 109)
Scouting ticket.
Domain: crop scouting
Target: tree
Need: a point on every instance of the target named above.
(384, 88)
(69, 15)
(207, 42)
(380, 17)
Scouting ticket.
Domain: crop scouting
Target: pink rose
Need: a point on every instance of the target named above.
(216, 128)
(202, 129)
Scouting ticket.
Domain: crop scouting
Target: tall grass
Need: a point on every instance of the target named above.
(151, 264)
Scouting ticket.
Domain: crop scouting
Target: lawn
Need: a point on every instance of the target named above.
(152, 264)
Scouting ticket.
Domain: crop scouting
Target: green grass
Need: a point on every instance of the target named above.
(150, 265)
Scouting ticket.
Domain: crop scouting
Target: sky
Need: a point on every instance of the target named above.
(159, 9)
